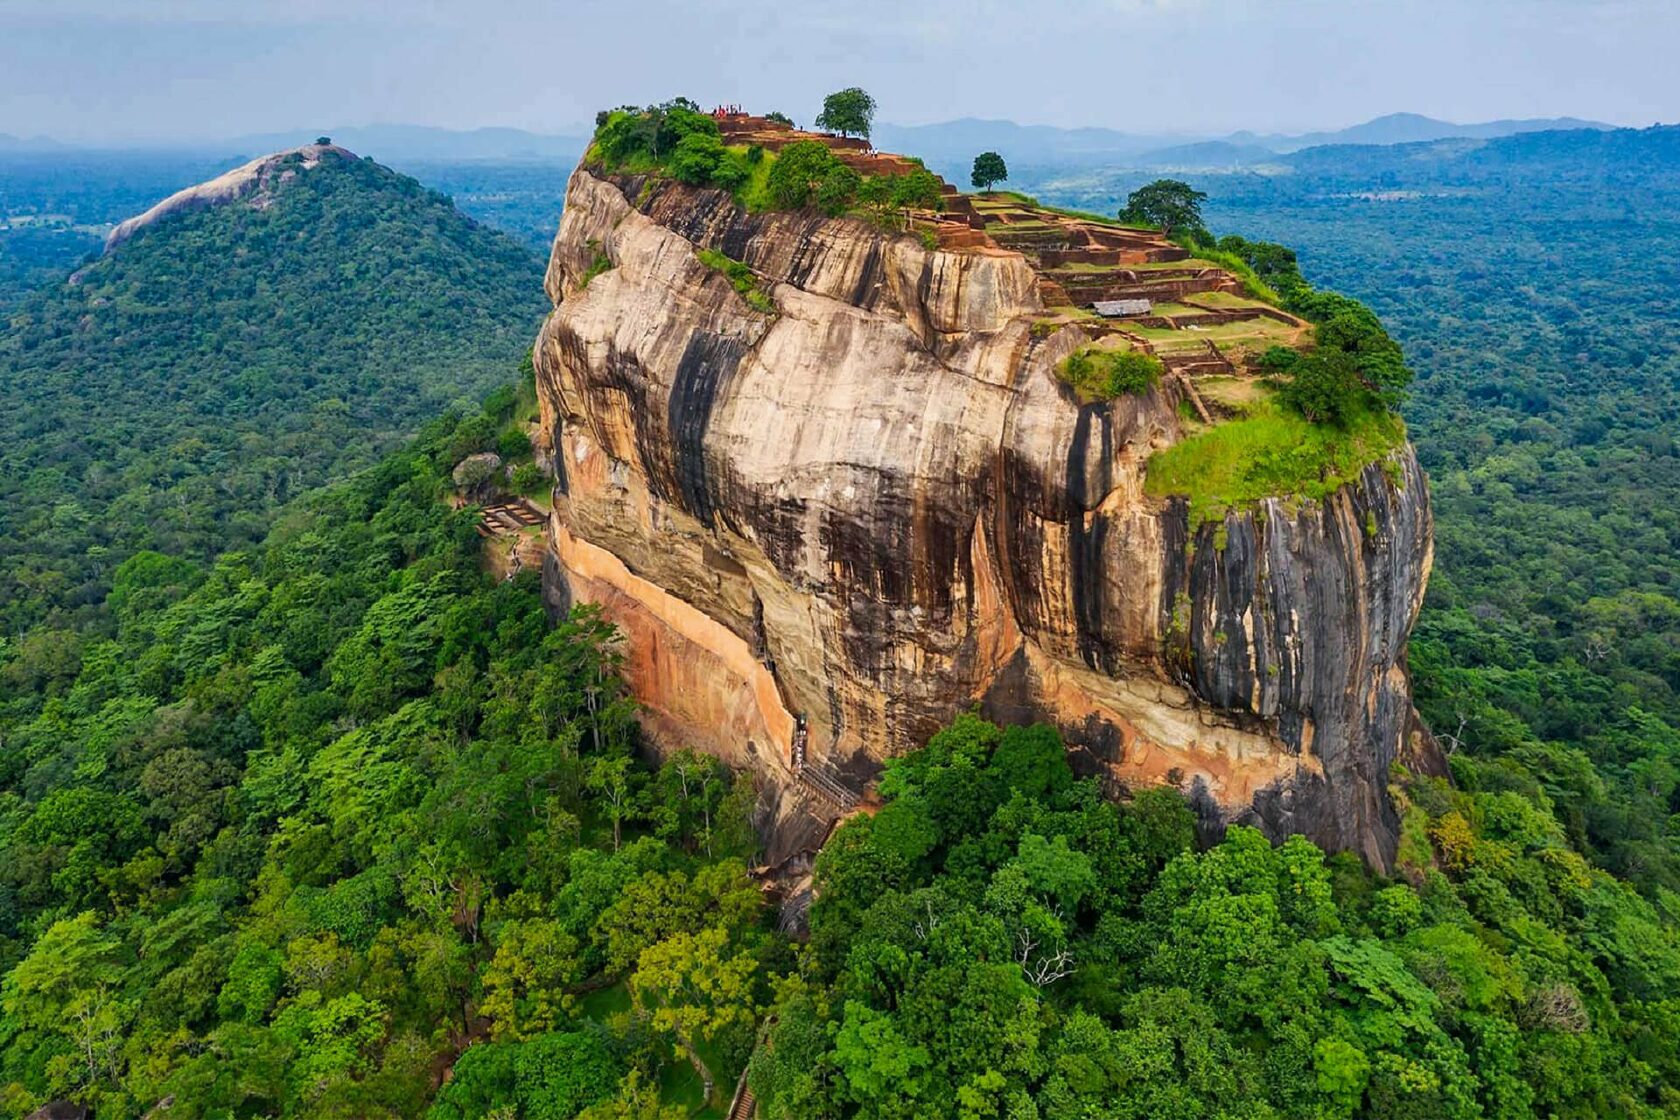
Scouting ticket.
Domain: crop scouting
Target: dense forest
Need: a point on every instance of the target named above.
(175, 392)
(329, 816)
(302, 814)
(322, 813)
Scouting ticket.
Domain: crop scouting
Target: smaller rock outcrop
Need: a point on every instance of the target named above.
(253, 183)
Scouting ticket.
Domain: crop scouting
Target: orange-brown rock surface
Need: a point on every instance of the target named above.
(828, 529)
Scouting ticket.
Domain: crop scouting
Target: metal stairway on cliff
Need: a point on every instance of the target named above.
(817, 779)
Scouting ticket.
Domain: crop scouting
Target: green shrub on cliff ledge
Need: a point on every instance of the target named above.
(740, 277)
(1375, 368)
(1271, 452)
(1102, 375)
(673, 137)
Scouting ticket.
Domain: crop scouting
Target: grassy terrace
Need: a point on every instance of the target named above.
(1268, 451)
(1015, 200)
(1238, 340)
(1227, 300)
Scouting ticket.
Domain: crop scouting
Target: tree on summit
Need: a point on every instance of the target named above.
(848, 112)
(1166, 204)
(989, 169)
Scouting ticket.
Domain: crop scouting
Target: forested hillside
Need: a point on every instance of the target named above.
(222, 362)
(56, 206)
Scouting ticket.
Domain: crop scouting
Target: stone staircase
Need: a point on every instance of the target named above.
(1209, 362)
(743, 1106)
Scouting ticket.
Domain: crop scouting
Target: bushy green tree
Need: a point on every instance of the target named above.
(850, 112)
(1325, 387)
(1169, 205)
(696, 988)
(806, 173)
(989, 170)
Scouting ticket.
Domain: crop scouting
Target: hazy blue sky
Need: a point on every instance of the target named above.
(92, 70)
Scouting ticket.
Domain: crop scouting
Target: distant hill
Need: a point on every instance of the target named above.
(232, 353)
(1208, 155)
(952, 142)
(1410, 128)
(1556, 155)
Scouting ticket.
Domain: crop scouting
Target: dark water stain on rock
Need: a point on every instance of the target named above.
(707, 364)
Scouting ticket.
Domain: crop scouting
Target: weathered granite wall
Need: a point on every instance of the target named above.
(879, 506)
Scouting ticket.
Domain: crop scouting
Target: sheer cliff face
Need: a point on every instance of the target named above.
(878, 506)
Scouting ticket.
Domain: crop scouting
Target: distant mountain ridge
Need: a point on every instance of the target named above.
(1576, 153)
(944, 140)
(950, 141)
(1410, 128)
(10, 143)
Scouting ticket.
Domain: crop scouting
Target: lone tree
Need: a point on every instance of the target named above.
(989, 169)
(780, 118)
(848, 112)
(1167, 204)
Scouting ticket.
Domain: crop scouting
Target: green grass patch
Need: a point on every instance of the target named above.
(1236, 266)
(1084, 268)
(680, 1086)
(1102, 375)
(754, 194)
(1226, 300)
(600, 264)
(1269, 453)
(1248, 334)
(1034, 226)
(1168, 340)
(740, 277)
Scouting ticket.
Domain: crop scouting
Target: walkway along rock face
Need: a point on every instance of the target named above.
(847, 521)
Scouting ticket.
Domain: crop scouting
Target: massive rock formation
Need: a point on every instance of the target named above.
(827, 530)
